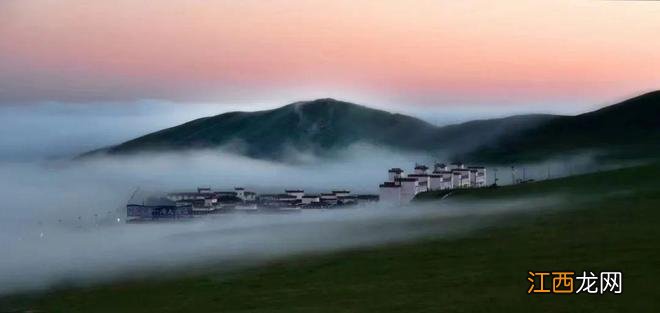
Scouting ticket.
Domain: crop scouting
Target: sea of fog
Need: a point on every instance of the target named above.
(61, 221)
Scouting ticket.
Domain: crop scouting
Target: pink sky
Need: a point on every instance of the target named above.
(405, 52)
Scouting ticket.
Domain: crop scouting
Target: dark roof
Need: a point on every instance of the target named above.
(395, 170)
(368, 197)
(196, 202)
(406, 179)
(239, 188)
(441, 172)
(186, 194)
(328, 194)
(229, 199)
(440, 164)
(340, 191)
(310, 196)
(418, 175)
(225, 193)
(158, 201)
(294, 190)
(421, 167)
(476, 167)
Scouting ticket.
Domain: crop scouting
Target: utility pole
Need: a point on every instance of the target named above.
(495, 176)
(513, 175)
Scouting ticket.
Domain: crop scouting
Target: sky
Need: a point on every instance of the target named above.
(558, 56)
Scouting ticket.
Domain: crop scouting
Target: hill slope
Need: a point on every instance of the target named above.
(630, 128)
(319, 127)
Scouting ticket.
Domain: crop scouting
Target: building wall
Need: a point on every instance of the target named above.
(310, 200)
(435, 183)
(408, 190)
(297, 194)
(481, 178)
(390, 194)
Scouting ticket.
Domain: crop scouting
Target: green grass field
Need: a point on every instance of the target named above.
(607, 221)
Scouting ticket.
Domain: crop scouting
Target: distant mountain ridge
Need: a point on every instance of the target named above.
(630, 128)
(320, 127)
(323, 126)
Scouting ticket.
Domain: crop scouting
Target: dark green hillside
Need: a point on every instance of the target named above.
(630, 128)
(321, 126)
(314, 126)
(606, 222)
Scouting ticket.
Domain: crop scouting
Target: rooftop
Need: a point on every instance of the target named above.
(389, 184)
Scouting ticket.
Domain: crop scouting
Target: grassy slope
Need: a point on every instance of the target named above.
(483, 272)
(627, 130)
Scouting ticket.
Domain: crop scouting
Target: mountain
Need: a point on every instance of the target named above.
(628, 129)
(321, 127)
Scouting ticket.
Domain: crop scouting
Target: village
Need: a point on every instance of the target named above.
(398, 189)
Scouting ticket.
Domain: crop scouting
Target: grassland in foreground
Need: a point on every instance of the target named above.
(609, 222)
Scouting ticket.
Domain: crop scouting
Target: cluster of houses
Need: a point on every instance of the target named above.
(206, 201)
(400, 188)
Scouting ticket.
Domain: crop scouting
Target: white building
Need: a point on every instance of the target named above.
(240, 192)
(409, 188)
(480, 177)
(394, 173)
(390, 192)
(329, 198)
(309, 199)
(296, 193)
(460, 178)
(423, 181)
(401, 188)
(440, 180)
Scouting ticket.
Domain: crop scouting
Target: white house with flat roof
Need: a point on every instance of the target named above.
(390, 192)
(298, 193)
(402, 188)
